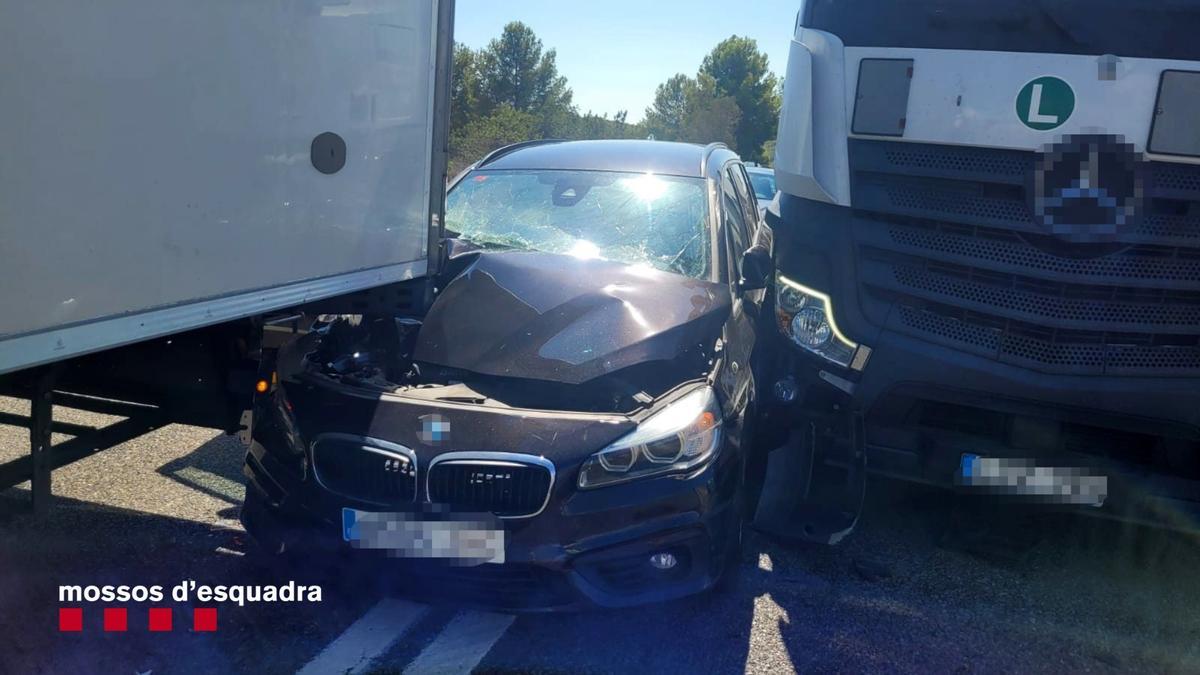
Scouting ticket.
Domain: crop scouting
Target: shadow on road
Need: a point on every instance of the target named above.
(87, 544)
(932, 581)
(214, 468)
(912, 591)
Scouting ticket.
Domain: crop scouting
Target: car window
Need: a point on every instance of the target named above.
(661, 221)
(734, 225)
(764, 185)
(752, 199)
(737, 176)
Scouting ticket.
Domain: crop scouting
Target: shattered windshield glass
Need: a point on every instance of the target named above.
(635, 218)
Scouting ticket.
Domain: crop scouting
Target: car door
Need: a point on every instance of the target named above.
(759, 233)
(741, 330)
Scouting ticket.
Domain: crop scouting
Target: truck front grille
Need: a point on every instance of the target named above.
(946, 236)
(508, 487)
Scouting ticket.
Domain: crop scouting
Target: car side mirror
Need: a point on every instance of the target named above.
(757, 268)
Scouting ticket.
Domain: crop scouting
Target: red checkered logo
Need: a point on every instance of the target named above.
(70, 619)
(159, 619)
(204, 619)
(116, 620)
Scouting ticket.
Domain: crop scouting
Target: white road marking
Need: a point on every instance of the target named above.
(366, 639)
(461, 645)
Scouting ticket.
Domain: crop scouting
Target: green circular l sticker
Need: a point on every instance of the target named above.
(1045, 103)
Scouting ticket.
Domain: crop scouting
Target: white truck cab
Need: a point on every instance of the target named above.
(988, 243)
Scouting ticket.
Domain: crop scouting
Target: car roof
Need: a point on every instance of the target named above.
(660, 157)
(760, 169)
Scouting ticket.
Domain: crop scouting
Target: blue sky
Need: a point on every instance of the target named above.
(615, 52)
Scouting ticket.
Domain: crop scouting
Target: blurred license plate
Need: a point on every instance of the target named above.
(464, 538)
(1023, 478)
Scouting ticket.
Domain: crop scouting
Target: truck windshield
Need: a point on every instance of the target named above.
(1133, 28)
(632, 218)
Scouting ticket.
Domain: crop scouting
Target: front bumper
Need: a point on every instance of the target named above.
(586, 548)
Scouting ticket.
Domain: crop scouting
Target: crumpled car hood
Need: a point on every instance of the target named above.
(552, 317)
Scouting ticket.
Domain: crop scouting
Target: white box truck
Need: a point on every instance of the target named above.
(175, 173)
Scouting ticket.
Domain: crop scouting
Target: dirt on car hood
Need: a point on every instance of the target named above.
(544, 316)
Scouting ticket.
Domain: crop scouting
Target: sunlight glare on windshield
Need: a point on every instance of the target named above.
(647, 187)
(584, 249)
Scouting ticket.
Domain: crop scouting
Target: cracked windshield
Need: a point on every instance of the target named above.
(626, 217)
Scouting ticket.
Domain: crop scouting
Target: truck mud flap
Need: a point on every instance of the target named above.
(794, 506)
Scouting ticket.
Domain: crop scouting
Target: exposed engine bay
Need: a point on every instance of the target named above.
(531, 330)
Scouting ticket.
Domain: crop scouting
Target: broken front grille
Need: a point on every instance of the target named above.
(510, 486)
(365, 469)
(946, 235)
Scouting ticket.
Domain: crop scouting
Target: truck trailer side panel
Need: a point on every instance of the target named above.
(163, 171)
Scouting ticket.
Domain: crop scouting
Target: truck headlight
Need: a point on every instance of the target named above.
(811, 329)
(805, 317)
(681, 436)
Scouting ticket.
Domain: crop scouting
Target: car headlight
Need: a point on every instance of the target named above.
(679, 437)
(805, 317)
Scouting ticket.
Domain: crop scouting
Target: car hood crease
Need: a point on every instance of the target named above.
(557, 318)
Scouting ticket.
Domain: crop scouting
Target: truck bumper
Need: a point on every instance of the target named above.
(925, 405)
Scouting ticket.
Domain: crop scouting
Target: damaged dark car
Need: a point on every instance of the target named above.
(569, 423)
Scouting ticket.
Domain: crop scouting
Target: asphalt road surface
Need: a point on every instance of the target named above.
(925, 585)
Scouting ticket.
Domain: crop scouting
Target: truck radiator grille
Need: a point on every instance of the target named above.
(505, 488)
(945, 235)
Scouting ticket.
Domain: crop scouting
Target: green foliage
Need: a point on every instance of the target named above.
(514, 70)
(738, 69)
(734, 98)
(768, 153)
(481, 135)
(666, 117)
(511, 91)
(691, 110)
(592, 126)
(464, 87)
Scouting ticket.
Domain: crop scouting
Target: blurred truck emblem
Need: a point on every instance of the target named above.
(1088, 188)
